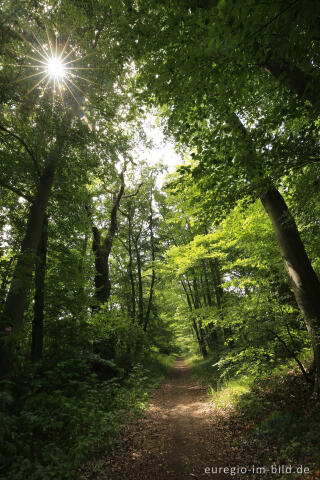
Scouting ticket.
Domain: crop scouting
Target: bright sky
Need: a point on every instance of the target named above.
(163, 149)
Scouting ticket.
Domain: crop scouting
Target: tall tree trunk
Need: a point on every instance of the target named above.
(198, 330)
(288, 74)
(305, 283)
(295, 79)
(203, 291)
(15, 305)
(216, 279)
(38, 311)
(205, 273)
(140, 285)
(218, 292)
(5, 279)
(130, 269)
(101, 279)
(196, 291)
(187, 294)
(102, 249)
(191, 293)
(153, 276)
(203, 347)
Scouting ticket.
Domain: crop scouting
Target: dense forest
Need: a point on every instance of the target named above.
(111, 267)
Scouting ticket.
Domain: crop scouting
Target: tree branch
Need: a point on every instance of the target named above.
(15, 190)
(293, 355)
(135, 193)
(14, 135)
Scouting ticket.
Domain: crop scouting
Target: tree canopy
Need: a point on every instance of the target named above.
(106, 269)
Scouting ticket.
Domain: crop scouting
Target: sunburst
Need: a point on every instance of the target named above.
(56, 67)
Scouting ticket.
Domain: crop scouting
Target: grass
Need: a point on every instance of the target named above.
(222, 392)
(275, 414)
(229, 392)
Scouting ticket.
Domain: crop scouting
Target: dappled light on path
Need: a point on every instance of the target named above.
(179, 436)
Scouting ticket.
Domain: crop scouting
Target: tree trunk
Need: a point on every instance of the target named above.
(38, 315)
(153, 277)
(207, 283)
(102, 249)
(5, 279)
(15, 304)
(140, 285)
(305, 283)
(101, 279)
(130, 268)
(187, 294)
(295, 79)
(202, 344)
(191, 293)
(197, 299)
(218, 291)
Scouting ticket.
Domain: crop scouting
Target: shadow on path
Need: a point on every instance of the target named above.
(177, 438)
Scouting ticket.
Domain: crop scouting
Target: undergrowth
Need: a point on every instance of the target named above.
(53, 418)
(277, 414)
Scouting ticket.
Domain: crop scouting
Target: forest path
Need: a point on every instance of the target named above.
(177, 438)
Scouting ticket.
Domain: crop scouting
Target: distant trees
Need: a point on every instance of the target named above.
(205, 66)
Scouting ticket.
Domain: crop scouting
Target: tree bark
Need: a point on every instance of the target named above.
(197, 299)
(5, 279)
(295, 79)
(102, 279)
(153, 276)
(202, 344)
(38, 315)
(218, 292)
(140, 285)
(102, 249)
(15, 304)
(187, 294)
(205, 273)
(130, 268)
(305, 283)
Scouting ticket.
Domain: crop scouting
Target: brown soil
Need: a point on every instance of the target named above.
(179, 436)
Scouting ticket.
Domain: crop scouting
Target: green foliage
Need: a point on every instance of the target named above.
(193, 269)
(54, 417)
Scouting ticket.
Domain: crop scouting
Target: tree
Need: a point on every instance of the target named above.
(203, 107)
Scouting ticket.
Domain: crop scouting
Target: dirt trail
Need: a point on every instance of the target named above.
(178, 437)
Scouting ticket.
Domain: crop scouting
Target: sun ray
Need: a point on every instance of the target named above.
(57, 66)
(67, 41)
(36, 85)
(81, 68)
(68, 55)
(76, 59)
(29, 76)
(32, 46)
(76, 86)
(46, 85)
(45, 53)
(37, 59)
(49, 40)
(21, 65)
(82, 78)
(66, 84)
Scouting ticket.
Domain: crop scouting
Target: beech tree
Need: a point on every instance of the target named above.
(226, 110)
